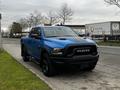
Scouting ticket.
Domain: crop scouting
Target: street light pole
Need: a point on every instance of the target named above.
(0, 32)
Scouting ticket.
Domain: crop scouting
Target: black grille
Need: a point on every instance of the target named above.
(81, 50)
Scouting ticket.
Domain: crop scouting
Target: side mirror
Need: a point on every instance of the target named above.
(36, 36)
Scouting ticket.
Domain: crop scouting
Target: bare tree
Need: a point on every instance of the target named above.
(65, 13)
(29, 21)
(35, 19)
(52, 18)
(32, 20)
(23, 23)
(113, 2)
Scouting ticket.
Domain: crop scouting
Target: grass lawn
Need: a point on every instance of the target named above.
(109, 43)
(14, 76)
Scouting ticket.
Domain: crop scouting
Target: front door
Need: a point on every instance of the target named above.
(35, 43)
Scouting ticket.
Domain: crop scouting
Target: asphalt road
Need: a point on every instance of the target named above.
(106, 75)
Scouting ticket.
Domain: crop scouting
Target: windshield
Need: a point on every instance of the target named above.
(59, 32)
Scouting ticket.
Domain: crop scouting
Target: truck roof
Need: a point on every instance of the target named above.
(48, 26)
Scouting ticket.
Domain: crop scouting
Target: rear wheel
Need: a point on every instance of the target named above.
(47, 67)
(25, 54)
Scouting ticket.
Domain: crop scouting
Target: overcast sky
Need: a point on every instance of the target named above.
(85, 11)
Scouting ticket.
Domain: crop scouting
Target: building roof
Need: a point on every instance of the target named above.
(74, 25)
(104, 22)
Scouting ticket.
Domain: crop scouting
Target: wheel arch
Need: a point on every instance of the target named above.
(43, 51)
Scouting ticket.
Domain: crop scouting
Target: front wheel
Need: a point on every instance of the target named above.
(91, 66)
(47, 67)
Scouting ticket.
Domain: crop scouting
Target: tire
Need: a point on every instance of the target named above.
(91, 67)
(47, 67)
(25, 54)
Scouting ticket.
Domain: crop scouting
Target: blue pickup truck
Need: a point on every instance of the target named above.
(52, 46)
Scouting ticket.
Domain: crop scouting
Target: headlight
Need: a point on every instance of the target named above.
(57, 51)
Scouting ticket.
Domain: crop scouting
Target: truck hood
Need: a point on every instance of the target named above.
(61, 42)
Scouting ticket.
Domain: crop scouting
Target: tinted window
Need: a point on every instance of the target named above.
(35, 31)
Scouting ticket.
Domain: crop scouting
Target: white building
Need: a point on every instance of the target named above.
(111, 28)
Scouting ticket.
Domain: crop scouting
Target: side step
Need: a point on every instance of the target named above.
(33, 60)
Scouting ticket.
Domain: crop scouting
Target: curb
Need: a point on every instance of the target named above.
(110, 47)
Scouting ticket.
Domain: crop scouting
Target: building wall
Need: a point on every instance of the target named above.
(99, 28)
(115, 28)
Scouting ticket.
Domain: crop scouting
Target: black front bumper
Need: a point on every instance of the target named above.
(75, 59)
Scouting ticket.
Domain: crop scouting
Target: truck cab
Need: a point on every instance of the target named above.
(51, 46)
